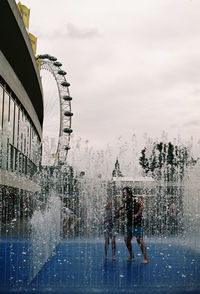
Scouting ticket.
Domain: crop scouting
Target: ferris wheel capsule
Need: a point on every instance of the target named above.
(43, 56)
(67, 130)
(67, 98)
(62, 72)
(65, 84)
(52, 58)
(57, 63)
(68, 113)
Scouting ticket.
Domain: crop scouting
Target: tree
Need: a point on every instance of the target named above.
(166, 161)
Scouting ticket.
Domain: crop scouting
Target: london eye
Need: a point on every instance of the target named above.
(57, 110)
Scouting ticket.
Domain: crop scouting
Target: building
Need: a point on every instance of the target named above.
(21, 116)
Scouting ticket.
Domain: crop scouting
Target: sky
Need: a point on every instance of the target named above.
(133, 65)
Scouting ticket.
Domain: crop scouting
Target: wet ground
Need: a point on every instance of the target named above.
(79, 266)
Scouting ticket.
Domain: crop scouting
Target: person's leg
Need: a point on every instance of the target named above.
(143, 249)
(106, 247)
(64, 231)
(113, 248)
(127, 239)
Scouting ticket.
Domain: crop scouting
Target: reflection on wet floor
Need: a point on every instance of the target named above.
(18, 227)
(78, 265)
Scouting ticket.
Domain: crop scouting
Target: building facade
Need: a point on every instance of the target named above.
(21, 117)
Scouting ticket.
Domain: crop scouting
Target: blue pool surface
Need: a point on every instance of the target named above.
(78, 266)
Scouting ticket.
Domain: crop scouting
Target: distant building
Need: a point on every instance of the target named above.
(21, 116)
(117, 172)
(140, 185)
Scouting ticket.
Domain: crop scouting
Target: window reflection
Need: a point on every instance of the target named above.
(5, 111)
(1, 106)
(11, 119)
(20, 143)
(16, 126)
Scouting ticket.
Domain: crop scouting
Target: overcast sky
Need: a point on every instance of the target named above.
(133, 65)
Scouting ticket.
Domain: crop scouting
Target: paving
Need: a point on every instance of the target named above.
(79, 266)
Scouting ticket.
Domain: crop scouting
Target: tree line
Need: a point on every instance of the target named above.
(166, 161)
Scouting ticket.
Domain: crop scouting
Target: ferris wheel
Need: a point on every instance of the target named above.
(63, 100)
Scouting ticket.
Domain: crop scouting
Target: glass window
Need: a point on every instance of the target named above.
(11, 157)
(28, 136)
(22, 122)
(16, 125)
(19, 134)
(1, 106)
(14, 154)
(20, 163)
(25, 165)
(24, 151)
(21, 143)
(30, 143)
(12, 105)
(16, 160)
(5, 153)
(5, 111)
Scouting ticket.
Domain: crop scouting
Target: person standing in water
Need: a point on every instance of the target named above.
(133, 212)
(109, 229)
(172, 216)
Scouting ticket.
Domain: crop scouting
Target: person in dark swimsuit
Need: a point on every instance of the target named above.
(133, 213)
(109, 229)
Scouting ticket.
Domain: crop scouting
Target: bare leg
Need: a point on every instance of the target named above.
(113, 248)
(106, 247)
(127, 240)
(143, 249)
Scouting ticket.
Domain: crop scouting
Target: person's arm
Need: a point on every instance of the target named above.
(120, 208)
(140, 209)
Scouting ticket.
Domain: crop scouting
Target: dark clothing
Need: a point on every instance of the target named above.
(129, 212)
(132, 207)
(137, 221)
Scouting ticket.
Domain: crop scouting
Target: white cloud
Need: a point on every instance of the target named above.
(77, 33)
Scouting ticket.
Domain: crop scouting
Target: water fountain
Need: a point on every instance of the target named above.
(44, 234)
(76, 261)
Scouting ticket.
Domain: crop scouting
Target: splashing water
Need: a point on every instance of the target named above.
(94, 176)
(83, 188)
(45, 233)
